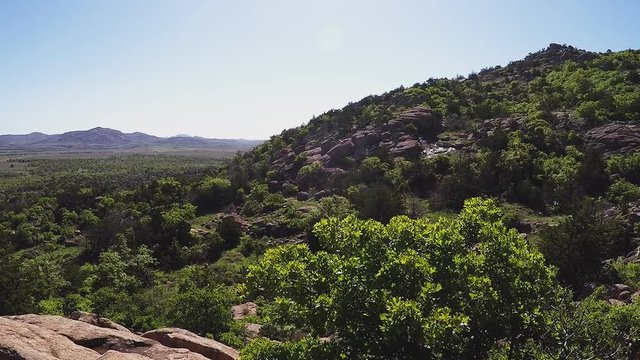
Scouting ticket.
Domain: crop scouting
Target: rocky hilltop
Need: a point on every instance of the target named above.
(463, 115)
(88, 337)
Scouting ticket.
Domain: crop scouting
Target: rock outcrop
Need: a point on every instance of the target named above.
(615, 137)
(180, 338)
(423, 119)
(25, 341)
(242, 310)
(48, 337)
(96, 320)
(412, 133)
(408, 148)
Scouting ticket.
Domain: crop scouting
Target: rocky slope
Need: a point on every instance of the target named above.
(47, 337)
(537, 134)
(443, 116)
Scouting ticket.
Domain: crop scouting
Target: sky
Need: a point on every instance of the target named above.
(250, 69)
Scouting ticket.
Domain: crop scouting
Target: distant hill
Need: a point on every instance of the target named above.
(100, 138)
(22, 139)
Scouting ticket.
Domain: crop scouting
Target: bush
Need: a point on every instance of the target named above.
(306, 349)
(591, 329)
(408, 290)
(311, 169)
(629, 273)
(379, 201)
(201, 310)
(560, 175)
(230, 229)
(627, 166)
(579, 244)
(212, 193)
(622, 192)
(591, 112)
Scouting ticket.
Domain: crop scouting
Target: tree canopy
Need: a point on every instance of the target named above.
(451, 288)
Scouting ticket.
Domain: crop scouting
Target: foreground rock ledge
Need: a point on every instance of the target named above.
(180, 338)
(25, 341)
(47, 337)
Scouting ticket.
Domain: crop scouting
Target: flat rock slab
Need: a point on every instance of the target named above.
(22, 341)
(114, 355)
(180, 338)
(101, 340)
(96, 320)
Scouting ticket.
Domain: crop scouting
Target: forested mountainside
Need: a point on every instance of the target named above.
(493, 216)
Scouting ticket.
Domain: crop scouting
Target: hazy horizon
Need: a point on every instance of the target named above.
(250, 69)
(125, 132)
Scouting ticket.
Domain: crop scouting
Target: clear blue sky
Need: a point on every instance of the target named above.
(249, 69)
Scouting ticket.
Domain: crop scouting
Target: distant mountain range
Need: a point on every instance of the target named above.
(109, 138)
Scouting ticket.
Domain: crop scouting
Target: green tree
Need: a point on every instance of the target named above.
(560, 175)
(411, 289)
(591, 329)
(627, 166)
(581, 241)
(212, 193)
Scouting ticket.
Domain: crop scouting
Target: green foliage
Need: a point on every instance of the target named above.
(560, 176)
(591, 329)
(73, 302)
(212, 193)
(581, 241)
(331, 206)
(628, 272)
(627, 166)
(378, 201)
(231, 231)
(177, 217)
(305, 349)
(116, 305)
(201, 310)
(461, 287)
(517, 159)
(51, 306)
(311, 169)
(410, 289)
(122, 269)
(591, 112)
(260, 199)
(372, 169)
(622, 192)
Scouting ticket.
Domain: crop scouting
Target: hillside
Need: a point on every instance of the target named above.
(493, 216)
(553, 138)
(553, 98)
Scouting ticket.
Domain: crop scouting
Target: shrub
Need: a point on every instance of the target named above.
(379, 201)
(579, 244)
(622, 192)
(627, 166)
(410, 289)
(629, 273)
(310, 169)
(201, 310)
(213, 192)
